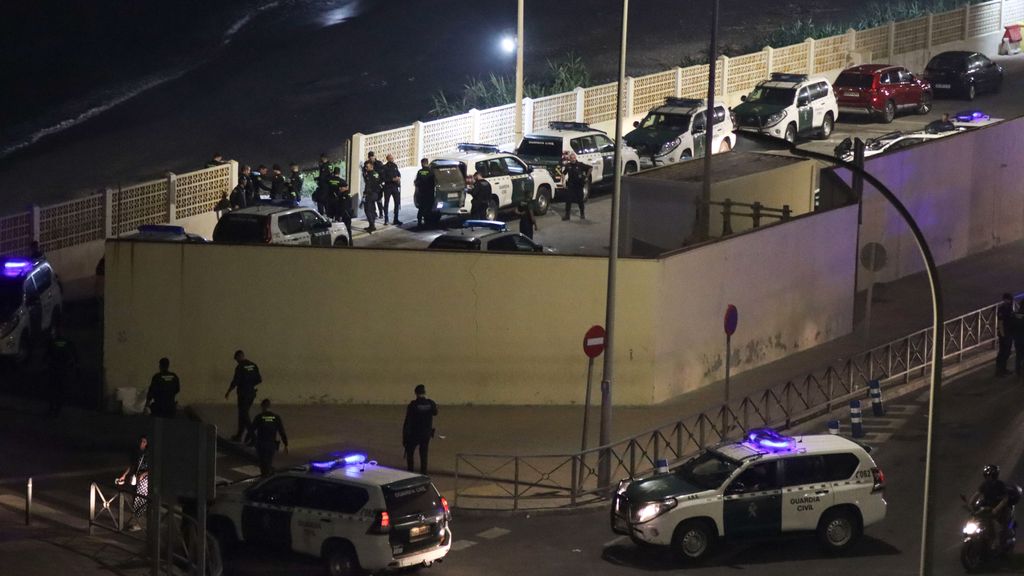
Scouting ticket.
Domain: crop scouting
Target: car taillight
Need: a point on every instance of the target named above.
(381, 523)
(267, 235)
(875, 82)
(879, 478)
(444, 504)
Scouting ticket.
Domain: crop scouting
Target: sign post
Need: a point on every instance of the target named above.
(732, 318)
(593, 346)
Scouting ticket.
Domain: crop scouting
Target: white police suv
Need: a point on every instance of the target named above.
(486, 236)
(355, 515)
(279, 223)
(31, 301)
(788, 106)
(512, 181)
(677, 129)
(766, 485)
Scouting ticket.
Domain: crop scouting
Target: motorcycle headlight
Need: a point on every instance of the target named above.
(651, 510)
(972, 528)
(669, 146)
(775, 118)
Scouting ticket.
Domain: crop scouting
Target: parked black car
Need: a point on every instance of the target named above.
(964, 74)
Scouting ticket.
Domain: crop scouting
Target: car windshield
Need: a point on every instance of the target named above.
(950, 62)
(540, 147)
(680, 122)
(241, 228)
(784, 96)
(412, 498)
(707, 470)
(10, 296)
(448, 176)
(847, 80)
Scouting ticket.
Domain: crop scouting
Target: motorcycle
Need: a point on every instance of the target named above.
(979, 532)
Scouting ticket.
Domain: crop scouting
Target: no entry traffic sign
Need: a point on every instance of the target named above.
(593, 342)
(732, 318)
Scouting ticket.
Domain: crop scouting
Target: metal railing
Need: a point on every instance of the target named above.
(569, 479)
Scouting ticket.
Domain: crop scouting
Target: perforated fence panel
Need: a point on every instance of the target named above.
(441, 137)
(398, 142)
(984, 19)
(497, 125)
(15, 233)
(875, 40)
(144, 203)
(911, 35)
(599, 103)
(69, 223)
(948, 26)
(554, 108)
(651, 90)
(197, 192)
(746, 71)
(830, 53)
(1013, 13)
(791, 59)
(695, 82)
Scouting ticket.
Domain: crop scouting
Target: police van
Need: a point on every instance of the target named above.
(350, 512)
(764, 486)
(789, 106)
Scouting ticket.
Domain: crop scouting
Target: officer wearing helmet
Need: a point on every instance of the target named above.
(992, 493)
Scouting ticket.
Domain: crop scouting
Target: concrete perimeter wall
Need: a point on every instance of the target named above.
(329, 325)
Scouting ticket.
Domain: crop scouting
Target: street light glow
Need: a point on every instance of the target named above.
(508, 44)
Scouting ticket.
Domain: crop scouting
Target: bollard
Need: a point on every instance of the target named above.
(856, 425)
(28, 502)
(833, 426)
(661, 466)
(875, 391)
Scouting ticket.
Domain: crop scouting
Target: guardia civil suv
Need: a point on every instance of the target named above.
(31, 301)
(677, 130)
(512, 181)
(789, 106)
(353, 514)
(764, 486)
(279, 223)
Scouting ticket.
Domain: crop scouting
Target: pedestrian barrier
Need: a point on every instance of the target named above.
(875, 392)
(516, 481)
(856, 420)
(833, 426)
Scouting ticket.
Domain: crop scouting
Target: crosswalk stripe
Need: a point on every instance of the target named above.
(249, 470)
(493, 533)
(461, 545)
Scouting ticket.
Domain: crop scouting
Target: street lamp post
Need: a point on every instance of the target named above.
(519, 75)
(704, 208)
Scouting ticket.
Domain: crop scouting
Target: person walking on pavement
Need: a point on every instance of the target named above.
(62, 365)
(379, 167)
(527, 219)
(338, 193)
(163, 387)
(418, 428)
(265, 429)
(137, 475)
(423, 197)
(247, 377)
(323, 173)
(371, 193)
(1005, 325)
(295, 183)
(392, 188)
(577, 174)
(481, 193)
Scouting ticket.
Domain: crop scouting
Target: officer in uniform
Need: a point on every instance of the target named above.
(295, 183)
(337, 190)
(576, 176)
(1005, 328)
(237, 199)
(248, 181)
(247, 377)
(278, 185)
(163, 387)
(418, 428)
(371, 193)
(424, 195)
(265, 428)
(379, 167)
(217, 160)
(62, 364)
(481, 193)
(261, 181)
(392, 188)
(323, 173)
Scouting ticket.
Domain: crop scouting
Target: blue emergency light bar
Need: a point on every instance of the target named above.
(769, 439)
(971, 116)
(339, 462)
(787, 77)
(16, 267)
(683, 102)
(471, 147)
(577, 126)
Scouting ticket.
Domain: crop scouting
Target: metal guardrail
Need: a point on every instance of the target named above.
(550, 480)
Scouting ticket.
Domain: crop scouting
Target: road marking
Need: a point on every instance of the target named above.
(902, 409)
(221, 480)
(249, 470)
(492, 533)
(878, 437)
(461, 545)
(615, 541)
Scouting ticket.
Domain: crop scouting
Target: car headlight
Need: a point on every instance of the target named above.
(8, 326)
(972, 528)
(651, 510)
(775, 118)
(623, 485)
(669, 146)
(440, 205)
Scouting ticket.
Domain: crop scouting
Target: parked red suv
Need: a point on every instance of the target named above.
(881, 90)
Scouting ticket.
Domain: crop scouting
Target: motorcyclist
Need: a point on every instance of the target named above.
(992, 493)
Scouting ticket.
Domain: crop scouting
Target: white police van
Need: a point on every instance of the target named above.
(764, 486)
(31, 301)
(355, 515)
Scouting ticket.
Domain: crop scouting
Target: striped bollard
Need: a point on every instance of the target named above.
(856, 425)
(875, 391)
(833, 426)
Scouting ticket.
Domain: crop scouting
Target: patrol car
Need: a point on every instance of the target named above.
(486, 236)
(892, 141)
(31, 301)
(677, 129)
(350, 512)
(766, 485)
(789, 106)
(544, 148)
(512, 181)
(279, 223)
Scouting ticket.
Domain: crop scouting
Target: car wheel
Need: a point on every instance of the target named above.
(341, 560)
(972, 555)
(492, 210)
(889, 113)
(926, 104)
(693, 541)
(630, 168)
(791, 133)
(725, 146)
(838, 529)
(686, 155)
(826, 126)
(971, 92)
(341, 242)
(543, 200)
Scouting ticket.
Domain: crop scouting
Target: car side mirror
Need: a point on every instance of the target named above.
(636, 123)
(736, 487)
(743, 98)
(803, 101)
(529, 169)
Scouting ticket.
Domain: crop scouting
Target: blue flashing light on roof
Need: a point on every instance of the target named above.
(971, 116)
(766, 438)
(337, 462)
(786, 77)
(16, 267)
(471, 147)
(488, 224)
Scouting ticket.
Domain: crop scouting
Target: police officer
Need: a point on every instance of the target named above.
(337, 190)
(373, 185)
(62, 365)
(265, 428)
(278, 185)
(295, 183)
(418, 428)
(576, 175)
(163, 387)
(527, 220)
(392, 188)
(237, 200)
(217, 160)
(247, 179)
(379, 167)
(481, 193)
(1004, 328)
(323, 173)
(423, 197)
(261, 181)
(247, 377)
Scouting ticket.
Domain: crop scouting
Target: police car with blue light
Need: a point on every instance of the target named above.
(354, 514)
(763, 486)
(31, 301)
(788, 106)
(486, 236)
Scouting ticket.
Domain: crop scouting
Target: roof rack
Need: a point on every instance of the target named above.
(684, 102)
(580, 126)
(495, 225)
(471, 147)
(787, 77)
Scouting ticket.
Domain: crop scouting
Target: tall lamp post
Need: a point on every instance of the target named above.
(704, 208)
(519, 75)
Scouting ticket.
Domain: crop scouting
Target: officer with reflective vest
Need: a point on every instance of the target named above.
(247, 377)
(163, 387)
(265, 428)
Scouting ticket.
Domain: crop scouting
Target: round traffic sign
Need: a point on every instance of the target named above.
(732, 318)
(593, 342)
(873, 256)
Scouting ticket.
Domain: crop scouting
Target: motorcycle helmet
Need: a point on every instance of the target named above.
(991, 472)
